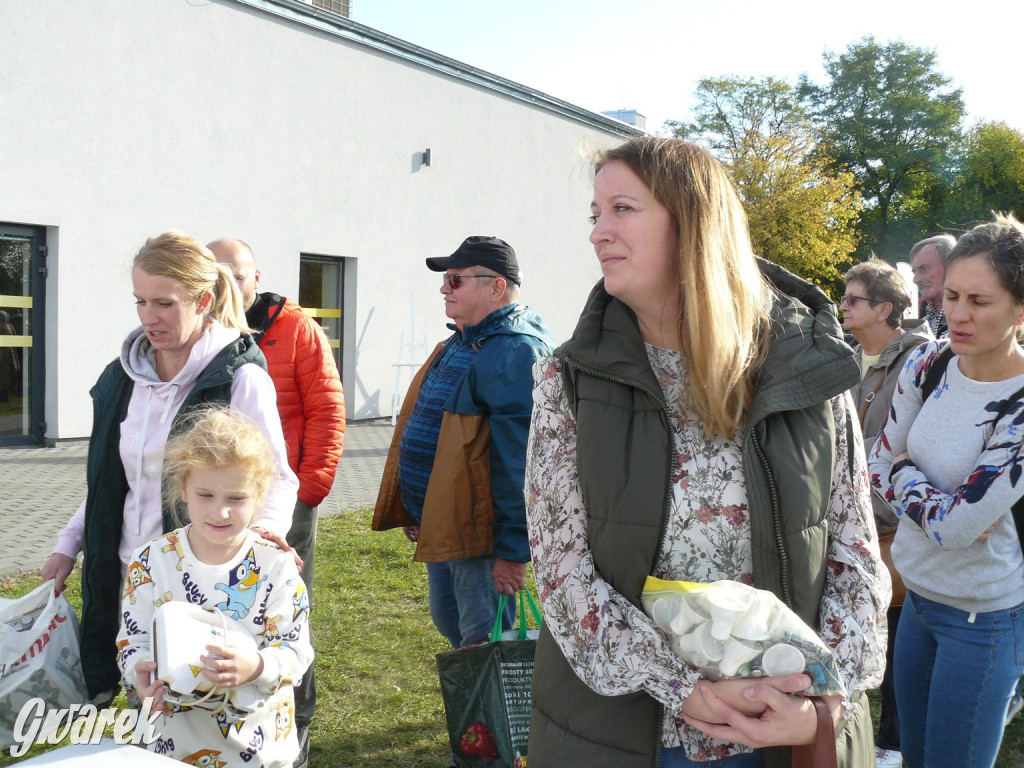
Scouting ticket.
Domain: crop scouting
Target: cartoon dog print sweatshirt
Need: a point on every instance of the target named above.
(259, 590)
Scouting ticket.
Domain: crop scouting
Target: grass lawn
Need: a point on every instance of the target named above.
(378, 700)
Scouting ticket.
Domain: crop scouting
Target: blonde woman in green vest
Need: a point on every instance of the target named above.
(696, 426)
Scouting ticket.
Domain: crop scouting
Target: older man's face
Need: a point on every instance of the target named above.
(928, 274)
(475, 298)
(242, 267)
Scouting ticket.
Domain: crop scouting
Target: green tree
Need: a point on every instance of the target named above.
(801, 214)
(989, 177)
(737, 118)
(890, 118)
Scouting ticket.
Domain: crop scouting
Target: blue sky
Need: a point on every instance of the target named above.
(648, 54)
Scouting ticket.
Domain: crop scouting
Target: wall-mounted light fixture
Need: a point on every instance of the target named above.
(426, 156)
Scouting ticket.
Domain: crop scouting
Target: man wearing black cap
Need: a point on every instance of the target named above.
(455, 473)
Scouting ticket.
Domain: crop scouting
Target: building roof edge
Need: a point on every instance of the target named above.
(353, 31)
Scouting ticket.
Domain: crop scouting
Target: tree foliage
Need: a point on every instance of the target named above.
(989, 177)
(890, 118)
(737, 118)
(801, 214)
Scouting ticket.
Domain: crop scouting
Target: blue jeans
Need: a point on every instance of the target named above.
(954, 679)
(464, 601)
(676, 758)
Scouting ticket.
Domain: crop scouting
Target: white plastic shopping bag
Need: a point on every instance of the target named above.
(38, 656)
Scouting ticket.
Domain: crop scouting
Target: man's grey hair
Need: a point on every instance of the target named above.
(511, 289)
(943, 245)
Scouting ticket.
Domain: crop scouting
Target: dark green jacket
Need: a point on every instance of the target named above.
(106, 492)
(624, 455)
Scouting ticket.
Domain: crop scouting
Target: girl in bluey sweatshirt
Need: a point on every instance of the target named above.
(220, 468)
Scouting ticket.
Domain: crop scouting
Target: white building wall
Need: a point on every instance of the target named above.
(121, 119)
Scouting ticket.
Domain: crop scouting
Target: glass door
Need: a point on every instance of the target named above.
(321, 288)
(22, 283)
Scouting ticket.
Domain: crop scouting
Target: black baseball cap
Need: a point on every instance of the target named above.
(481, 251)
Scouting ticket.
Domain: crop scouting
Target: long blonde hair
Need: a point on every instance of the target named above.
(183, 258)
(722, 318)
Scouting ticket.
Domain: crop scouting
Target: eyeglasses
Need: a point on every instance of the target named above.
(454, 280)
(851, 300)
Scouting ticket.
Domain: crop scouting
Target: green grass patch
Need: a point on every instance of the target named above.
(378, 699)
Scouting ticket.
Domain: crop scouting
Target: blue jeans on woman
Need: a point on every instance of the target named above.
(955, 674)
(464, 600)
(676, 758)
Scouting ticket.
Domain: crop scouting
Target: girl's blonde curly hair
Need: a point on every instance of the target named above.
(216, 437)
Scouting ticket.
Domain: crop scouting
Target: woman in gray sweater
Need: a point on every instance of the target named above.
(949, 463)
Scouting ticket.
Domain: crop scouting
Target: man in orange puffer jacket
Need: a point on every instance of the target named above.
(312, 407)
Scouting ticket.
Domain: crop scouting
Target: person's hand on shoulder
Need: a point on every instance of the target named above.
(279, 540)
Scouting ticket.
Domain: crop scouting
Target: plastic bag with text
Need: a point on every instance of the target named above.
(38, 656)
(727, 629)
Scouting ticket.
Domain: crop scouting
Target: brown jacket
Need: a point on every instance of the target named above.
(458, 514)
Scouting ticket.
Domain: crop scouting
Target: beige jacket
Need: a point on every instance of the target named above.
(874, 394)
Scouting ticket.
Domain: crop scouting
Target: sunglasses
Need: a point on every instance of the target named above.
(454, 281)
(851, 300)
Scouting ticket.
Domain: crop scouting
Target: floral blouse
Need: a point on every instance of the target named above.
(612, 645)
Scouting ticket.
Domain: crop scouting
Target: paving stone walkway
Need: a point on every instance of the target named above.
(40, 488)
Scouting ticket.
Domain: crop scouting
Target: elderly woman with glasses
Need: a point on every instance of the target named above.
(874, 301)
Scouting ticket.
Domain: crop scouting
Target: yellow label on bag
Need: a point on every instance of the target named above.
(655, 584)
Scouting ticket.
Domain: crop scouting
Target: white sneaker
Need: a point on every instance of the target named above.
(888, 758)
(1016, 703)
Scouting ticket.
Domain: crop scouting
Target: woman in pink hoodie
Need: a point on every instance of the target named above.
(192, 347)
